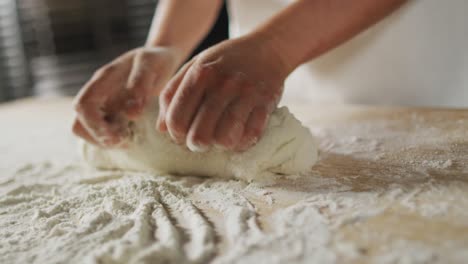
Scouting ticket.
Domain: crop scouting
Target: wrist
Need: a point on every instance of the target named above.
(177, 55)
(179, 52)
(271, 45)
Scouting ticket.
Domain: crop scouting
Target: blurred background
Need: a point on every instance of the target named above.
(52, 47)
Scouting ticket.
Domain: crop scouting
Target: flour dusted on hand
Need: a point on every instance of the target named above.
(286, 147)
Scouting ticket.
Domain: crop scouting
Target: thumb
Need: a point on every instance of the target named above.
(138, 89)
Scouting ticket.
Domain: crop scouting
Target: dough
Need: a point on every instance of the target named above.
(286, 147)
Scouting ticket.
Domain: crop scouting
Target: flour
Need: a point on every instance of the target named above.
(124, 217)
(128, 218)
(438, 164)
(350, 208)
(140, 218)
(286, 147)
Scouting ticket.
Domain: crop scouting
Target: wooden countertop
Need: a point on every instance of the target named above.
(410, 163)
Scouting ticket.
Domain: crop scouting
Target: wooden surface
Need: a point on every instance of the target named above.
(377, 144)
(410, 163)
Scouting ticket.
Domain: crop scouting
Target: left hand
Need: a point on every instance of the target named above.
(223, 96)
(120, 91)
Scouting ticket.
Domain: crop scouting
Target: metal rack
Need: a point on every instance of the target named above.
(14, 74)
(52, 47)
(68, 40)
(139, 16)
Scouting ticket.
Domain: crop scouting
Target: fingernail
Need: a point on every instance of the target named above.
(219, 146)
(109, 142)
(197, 147)
(176, 138)
(247, 144)
(159, 125)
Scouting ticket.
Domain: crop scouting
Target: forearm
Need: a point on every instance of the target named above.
(182, 24)
(309, 28)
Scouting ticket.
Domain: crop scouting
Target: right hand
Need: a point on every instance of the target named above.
(119, 91)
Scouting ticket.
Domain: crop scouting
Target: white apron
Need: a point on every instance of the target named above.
(416, 56)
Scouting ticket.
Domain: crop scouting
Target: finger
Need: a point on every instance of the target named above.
(103, 128)
(99, 125)
(97, 106)
(167, 94)
(92, 117)
(201, 132)
(80, 131)
(100, 86)
(230, 128)
(254, 128)
(95, 89)
(186, 100)
(139, 85)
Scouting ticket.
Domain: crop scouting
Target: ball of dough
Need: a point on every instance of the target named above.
(286, 147)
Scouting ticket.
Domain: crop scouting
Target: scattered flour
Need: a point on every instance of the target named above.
(349, 209)
(122, 217)
(437, 164)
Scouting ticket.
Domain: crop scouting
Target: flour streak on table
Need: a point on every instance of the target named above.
(391, 186)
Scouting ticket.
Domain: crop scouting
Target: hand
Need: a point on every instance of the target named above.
(223, 96)
(119, 91)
